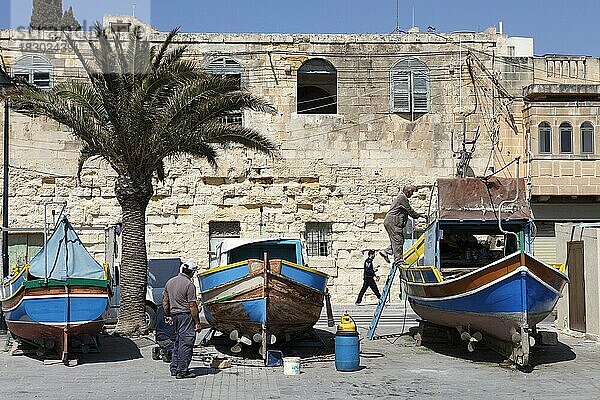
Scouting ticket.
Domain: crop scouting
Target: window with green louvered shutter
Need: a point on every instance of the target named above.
(33, 69)
(409, 87)
(400, 83)
(420, 90)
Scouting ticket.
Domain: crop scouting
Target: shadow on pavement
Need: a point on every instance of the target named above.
(115, 349)
(315, 343)
(203, 371)
(452, 346)
(542, 355)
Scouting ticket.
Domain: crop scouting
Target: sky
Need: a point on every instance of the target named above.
(557, 26)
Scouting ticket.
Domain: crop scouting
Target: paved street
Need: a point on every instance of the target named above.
(393, 367)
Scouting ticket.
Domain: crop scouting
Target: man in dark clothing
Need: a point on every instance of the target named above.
(368, 278)
(164, 336)
(395, 221)
(181, 310)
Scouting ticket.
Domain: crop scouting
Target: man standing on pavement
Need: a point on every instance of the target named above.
(395, 221)
(368, 278)
(181, 310)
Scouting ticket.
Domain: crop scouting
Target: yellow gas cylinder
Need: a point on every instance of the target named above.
(346, 324)
(347, 345)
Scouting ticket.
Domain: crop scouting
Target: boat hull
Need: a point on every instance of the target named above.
(290, 305)
(39, 313)
(498, 300)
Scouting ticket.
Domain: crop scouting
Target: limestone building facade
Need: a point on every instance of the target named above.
(358, 116)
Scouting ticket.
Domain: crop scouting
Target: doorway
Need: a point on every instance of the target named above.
(575, 263)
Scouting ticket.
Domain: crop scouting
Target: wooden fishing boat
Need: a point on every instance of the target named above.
(251, 303)
(477, 274)
(62, 292)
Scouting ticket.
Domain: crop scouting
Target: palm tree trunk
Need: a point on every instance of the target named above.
(133, 196)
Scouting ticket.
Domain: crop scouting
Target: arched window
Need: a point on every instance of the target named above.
(587, 138)
(232, 69)
(566, 137)
(317, 87)
(33, 69)
(409, 87)
(545, 138)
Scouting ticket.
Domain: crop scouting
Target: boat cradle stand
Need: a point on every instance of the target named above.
(516, 351)
(41, 347)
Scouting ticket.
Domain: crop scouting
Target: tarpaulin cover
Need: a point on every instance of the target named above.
(67, 257)
(480, 198)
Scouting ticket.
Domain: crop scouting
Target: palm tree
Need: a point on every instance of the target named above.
(141, 106)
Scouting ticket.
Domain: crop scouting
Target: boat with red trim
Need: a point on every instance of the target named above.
(263, 289)
(476, 272)
(62, 292)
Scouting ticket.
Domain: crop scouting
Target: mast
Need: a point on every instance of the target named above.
(45, 245)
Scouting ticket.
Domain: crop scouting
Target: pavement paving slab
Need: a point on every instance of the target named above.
(392, 367)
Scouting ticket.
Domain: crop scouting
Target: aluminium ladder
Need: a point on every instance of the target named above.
(410, 256)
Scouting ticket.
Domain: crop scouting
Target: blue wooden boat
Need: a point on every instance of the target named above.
(262, 289)
(477, 274)
(62, 292)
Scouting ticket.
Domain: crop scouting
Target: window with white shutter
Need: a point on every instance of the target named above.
(33, 69)
(409, 87)
(232, 69)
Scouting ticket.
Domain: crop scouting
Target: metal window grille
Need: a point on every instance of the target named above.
(224, 229)
(318, 239)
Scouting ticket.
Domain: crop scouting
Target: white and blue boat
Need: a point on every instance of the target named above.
(477, 274)
(63, 291)
(262, 289)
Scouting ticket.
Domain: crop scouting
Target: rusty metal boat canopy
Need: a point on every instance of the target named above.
(480, 198)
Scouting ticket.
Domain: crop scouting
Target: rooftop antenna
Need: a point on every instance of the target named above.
(397, 28)
(133, 14)
(413, 17)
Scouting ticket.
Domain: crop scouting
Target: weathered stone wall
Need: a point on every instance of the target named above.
(343, 169)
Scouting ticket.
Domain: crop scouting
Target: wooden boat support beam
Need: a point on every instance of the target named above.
(516, 351)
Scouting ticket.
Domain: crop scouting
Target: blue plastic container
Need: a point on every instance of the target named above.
(274, 358)
(347, 351)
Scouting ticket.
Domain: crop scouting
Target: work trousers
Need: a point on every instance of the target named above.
(183, 348)
(369, 282)
(394, 227)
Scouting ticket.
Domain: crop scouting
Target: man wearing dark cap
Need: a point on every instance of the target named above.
(395, 221)
(181, 309)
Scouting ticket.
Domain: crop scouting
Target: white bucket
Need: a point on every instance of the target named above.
(291, 365)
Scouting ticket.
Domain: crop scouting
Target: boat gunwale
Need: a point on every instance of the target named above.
(282, 277)
(486, 286)
(226, 267)
(17, 276)
(16, 293)
(484, 268)
(231, 283)
(71, 281)
(283, 262)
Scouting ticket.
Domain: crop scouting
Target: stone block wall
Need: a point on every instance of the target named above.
(342, 169)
